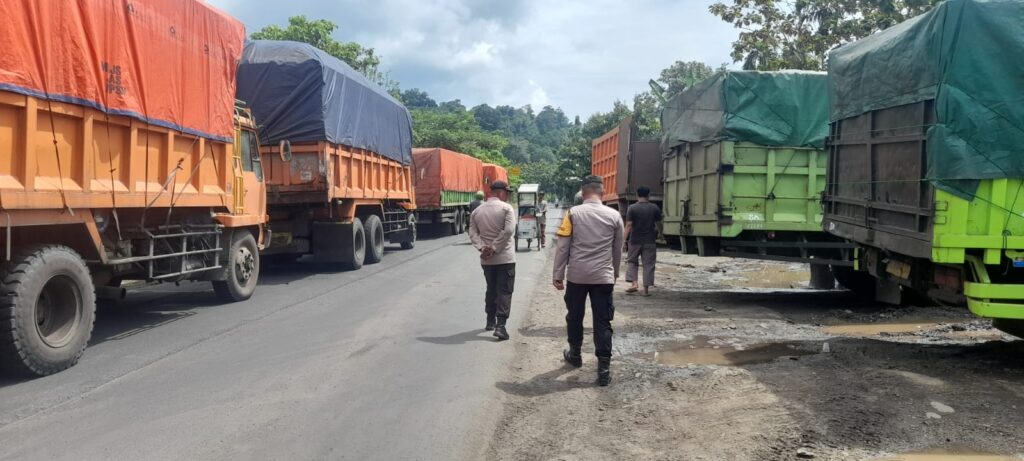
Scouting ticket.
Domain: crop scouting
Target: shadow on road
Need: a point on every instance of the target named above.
(459, 338)
(546, 383)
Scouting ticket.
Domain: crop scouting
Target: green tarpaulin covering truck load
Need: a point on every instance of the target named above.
(926, 155)
(966, 56)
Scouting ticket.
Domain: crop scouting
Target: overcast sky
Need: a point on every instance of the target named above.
(579, 55)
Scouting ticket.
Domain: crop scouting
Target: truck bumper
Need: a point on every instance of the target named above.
(992, 300)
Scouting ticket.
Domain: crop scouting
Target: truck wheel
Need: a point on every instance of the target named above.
(1013, 327)
(242, 269)
(374, 232)
(47, 308)
(411, 222)
(356, 249)
(859, 282)
(821, 277)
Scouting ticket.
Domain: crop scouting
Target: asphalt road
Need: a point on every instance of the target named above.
(388, 362)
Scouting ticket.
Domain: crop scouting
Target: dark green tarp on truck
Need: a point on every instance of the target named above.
(786, 108)
(967, 55)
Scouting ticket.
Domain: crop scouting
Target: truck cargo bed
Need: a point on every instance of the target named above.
(321, 172)
(742, 199)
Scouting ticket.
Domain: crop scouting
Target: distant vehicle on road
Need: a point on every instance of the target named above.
(527, 226)
(446, 182)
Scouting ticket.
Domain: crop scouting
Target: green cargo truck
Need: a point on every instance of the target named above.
(745, 169)
(927, 156)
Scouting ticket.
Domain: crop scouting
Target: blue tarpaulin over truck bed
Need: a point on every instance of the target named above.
(300, 93)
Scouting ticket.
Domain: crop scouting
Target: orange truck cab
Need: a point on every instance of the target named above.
(141, 168)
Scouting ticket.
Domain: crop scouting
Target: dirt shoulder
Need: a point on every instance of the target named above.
(738, 360)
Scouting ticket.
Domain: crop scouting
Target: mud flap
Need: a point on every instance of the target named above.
(332, 242)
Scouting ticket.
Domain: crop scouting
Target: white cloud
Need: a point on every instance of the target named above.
(538, 97)
(580, 55)
(479, 54)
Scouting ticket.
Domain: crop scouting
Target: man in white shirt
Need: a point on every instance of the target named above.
(491, 229)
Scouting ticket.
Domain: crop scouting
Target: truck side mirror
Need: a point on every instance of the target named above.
(285, 148)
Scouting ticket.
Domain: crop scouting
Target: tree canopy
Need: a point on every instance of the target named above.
(787, 34)
(319, 33)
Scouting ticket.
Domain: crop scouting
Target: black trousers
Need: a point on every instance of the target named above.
(501, 281)
(602, 309)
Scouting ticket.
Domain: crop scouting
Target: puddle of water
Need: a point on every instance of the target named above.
(700, 351)
(947, 454)
(871, 329)
(772, 276)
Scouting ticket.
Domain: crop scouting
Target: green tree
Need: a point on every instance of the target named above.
(682, 75)
(457, 131)
(647, 116)
(797, 34)
(319, 33)
(454, 105)
(417, 99)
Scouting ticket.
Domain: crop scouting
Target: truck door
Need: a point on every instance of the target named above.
(254, 199)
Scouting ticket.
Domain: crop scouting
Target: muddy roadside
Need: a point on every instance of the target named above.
(739, 360)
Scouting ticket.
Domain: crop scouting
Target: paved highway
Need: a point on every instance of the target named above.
(389, 362)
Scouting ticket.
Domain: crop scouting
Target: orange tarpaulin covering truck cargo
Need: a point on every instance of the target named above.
(493, 173)
(122, 157)
(446, 182)
(337, 150)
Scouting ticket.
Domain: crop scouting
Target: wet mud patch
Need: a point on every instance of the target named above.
(704, 350)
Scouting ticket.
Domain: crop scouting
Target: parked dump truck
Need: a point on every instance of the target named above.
(626, 163)
(119, 160)
(337, 150)
(745, 168)
(926, 169)
(446, 182)
(493, 173)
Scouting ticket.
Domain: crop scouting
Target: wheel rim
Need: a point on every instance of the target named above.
(245, 265)
(379, 239)
(58, 311)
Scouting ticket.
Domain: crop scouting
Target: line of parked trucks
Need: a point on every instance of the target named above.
(167, 148)
(900, 172)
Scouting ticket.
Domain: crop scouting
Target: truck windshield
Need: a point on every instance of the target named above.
(251, 154)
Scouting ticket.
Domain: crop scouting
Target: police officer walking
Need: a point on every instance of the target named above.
(587, 256)
(491, 228)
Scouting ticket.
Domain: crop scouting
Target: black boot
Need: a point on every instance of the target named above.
(573, 356)
(490, 324)
(499, 330)
(604, 374)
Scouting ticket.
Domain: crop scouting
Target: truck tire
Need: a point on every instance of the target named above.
(242, 269)
(859, 282)
(374, 232)
(1013, 327)
(822, 277)
(47, 308)
(411, 222)
(355, 251)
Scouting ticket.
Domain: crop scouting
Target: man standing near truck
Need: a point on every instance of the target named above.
(491, 228)
(642, 220)
(587, 255)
